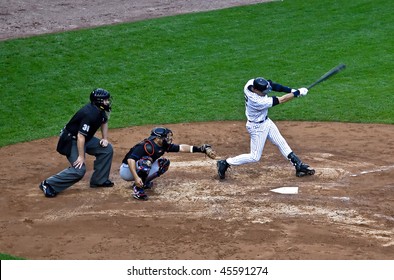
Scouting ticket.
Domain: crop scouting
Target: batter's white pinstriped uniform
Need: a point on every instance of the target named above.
(260, 127)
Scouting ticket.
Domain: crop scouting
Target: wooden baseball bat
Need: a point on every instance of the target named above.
(329, 74)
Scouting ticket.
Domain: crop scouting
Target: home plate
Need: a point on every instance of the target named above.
(286, 190)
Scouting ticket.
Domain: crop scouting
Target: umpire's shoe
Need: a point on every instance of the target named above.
(222, 166)
(47, 189)
(139, 193)
(106, 184)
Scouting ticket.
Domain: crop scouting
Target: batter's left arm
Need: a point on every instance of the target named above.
(279, 88)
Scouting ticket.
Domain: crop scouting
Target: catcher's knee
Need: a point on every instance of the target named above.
(144, 166)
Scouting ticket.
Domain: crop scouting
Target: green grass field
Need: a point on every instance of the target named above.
(192, 68)
(9, 257)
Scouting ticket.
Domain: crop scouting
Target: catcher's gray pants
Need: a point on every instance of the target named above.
(102, 166)
(125, 173)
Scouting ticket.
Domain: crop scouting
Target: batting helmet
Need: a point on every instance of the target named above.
(262, 85)
(97, 97)
(163, 133)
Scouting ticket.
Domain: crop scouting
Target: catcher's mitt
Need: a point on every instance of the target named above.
(208, 150)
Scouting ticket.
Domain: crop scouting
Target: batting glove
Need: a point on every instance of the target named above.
(303, 91)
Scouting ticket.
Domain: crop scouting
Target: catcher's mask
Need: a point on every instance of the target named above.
(262, 85)
(162, 133)
(98, 97)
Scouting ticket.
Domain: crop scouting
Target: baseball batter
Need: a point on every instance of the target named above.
(261, 128)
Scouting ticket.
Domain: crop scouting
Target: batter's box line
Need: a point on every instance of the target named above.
(195, 163)
(376, 170)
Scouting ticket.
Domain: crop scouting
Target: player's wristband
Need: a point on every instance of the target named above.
(296, 93)
(194, 149)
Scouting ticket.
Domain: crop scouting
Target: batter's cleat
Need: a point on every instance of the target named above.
(222, 166)
(301, 168)
(106, 184)
(148, 185)
(47, 189)
(304, 170)
(139, 193)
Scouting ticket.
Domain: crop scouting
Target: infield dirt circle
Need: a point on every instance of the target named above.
(344, 211)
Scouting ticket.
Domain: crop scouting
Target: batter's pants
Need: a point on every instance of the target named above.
(259, 133)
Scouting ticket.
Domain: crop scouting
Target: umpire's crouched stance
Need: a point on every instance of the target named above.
(77, 138)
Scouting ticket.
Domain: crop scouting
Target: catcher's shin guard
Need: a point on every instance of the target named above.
(139, 193)
(164, 164)
(302, 169)
(144, 166)
(148, 185)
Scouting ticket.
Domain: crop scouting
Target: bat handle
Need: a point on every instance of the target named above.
(311, 86)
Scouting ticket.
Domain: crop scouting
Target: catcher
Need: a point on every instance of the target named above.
(144, 161)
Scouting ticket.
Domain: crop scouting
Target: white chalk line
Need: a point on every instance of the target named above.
(324, 171)
(376, 170)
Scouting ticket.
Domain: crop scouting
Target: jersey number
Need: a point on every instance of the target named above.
(86, 127)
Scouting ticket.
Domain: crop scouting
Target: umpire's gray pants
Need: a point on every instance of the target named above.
(102, 166)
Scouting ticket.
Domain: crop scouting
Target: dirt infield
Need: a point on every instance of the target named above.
(22, 18)
(344, 211)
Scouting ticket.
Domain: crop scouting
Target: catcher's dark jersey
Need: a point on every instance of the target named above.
(87, 121)
(149, 148)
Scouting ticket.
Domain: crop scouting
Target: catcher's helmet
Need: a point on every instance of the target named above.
(97, 97)
(262, 85)
(163, 133)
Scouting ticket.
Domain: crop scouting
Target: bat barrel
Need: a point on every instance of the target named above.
(330, 73)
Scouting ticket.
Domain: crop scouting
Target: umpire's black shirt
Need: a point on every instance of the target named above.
(87, 121)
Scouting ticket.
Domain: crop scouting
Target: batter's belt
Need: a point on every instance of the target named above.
(266, 117)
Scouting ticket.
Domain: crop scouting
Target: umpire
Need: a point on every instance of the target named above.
(77, 138)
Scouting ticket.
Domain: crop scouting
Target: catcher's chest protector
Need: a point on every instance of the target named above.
(149, 147)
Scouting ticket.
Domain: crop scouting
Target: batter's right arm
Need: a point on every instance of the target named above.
(294, 93)
(285, 98)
